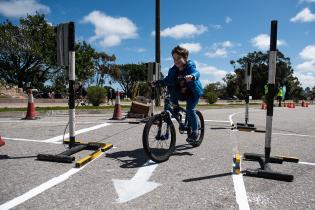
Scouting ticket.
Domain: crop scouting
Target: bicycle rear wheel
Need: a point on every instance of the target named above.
(201, 130)
(159, 138)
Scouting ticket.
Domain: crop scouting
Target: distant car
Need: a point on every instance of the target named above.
(37, 93)
(58, 96)
(228, 98)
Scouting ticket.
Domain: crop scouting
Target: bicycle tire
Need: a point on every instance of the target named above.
(158, 155)
(198, 142)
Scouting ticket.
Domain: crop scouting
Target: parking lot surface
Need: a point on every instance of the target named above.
(124, 178)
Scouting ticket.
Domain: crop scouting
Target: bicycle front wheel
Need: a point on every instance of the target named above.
(158, 138)
(201, 129)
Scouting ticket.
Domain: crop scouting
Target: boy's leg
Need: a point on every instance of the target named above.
(191, 113)
(192, 117)
(174, 97)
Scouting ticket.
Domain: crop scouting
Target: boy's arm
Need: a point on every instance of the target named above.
(168, 80)
(192, 70)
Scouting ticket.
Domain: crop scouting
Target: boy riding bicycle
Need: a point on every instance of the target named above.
(183, 84)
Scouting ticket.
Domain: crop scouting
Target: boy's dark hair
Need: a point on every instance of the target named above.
(180, 51)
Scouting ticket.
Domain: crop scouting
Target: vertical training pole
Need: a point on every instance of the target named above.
(71, 67)
(248, 78)
(157, 46)
(271, 87)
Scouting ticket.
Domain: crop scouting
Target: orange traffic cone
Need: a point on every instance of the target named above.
(31, 113)
(117, 111)
(1, 142)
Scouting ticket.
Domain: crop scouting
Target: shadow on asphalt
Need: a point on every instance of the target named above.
(208, 177)
(2, 157)
(137, 158)
(183, 147)
(130, 159)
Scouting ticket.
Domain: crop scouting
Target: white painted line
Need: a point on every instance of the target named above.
(230, 117)
(137, 186)
(306, 163)
(43, 187)
(19, 139)
(224, 121)
(240, 192)
(293, 134)
(46, 122)
(58, 138)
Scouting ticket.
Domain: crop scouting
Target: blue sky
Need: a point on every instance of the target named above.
(215, 31)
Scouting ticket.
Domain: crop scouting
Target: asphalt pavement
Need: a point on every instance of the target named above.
(124, 178)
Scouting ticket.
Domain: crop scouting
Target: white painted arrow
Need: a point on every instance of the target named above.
(139, 185)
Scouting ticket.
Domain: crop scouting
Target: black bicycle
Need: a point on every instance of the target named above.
(159, 134)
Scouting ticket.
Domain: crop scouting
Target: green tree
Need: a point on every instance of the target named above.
(131, 75)
(104, 66)
(96, 95)
(284, 75)
(233, 85)
(84, 66)
(217, 88)
(27, 51)
(312, 95)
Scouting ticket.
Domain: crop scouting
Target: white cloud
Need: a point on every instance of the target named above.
(215, 26)
(220, 52)
(186, 30)
(308, 57)
(306, 80)
(304, 16)
(228, 19)
(140, 50)
(212, 71)
(191, 47)
(110, 31)
(20, 8)
(308, 53)
(308, 1)
(306, 66)
(305, 71)
(262, 42)
(221, 49)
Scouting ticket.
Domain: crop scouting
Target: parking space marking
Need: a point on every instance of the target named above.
(240, 192)
(293, 134)
(42, 188)
(231, 115)
(284, 134)
(57, 139)
(223, 121)
(138, 185)
(47, 122)
(19, 139)
(84, 130)
(306, 163)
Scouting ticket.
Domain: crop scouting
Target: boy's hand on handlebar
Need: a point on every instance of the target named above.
(189, 78)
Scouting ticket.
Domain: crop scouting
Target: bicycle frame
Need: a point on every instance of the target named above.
(174, 110)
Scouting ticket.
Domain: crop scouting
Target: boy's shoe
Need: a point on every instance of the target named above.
(192, 137)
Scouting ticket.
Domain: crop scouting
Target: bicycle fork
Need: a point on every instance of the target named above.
(164, 126)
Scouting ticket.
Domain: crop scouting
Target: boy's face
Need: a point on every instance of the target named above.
(179, 61)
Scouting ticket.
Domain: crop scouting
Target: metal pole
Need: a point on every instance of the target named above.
(71, 85)
(271, 88)
(157, 47)
(157, 32)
